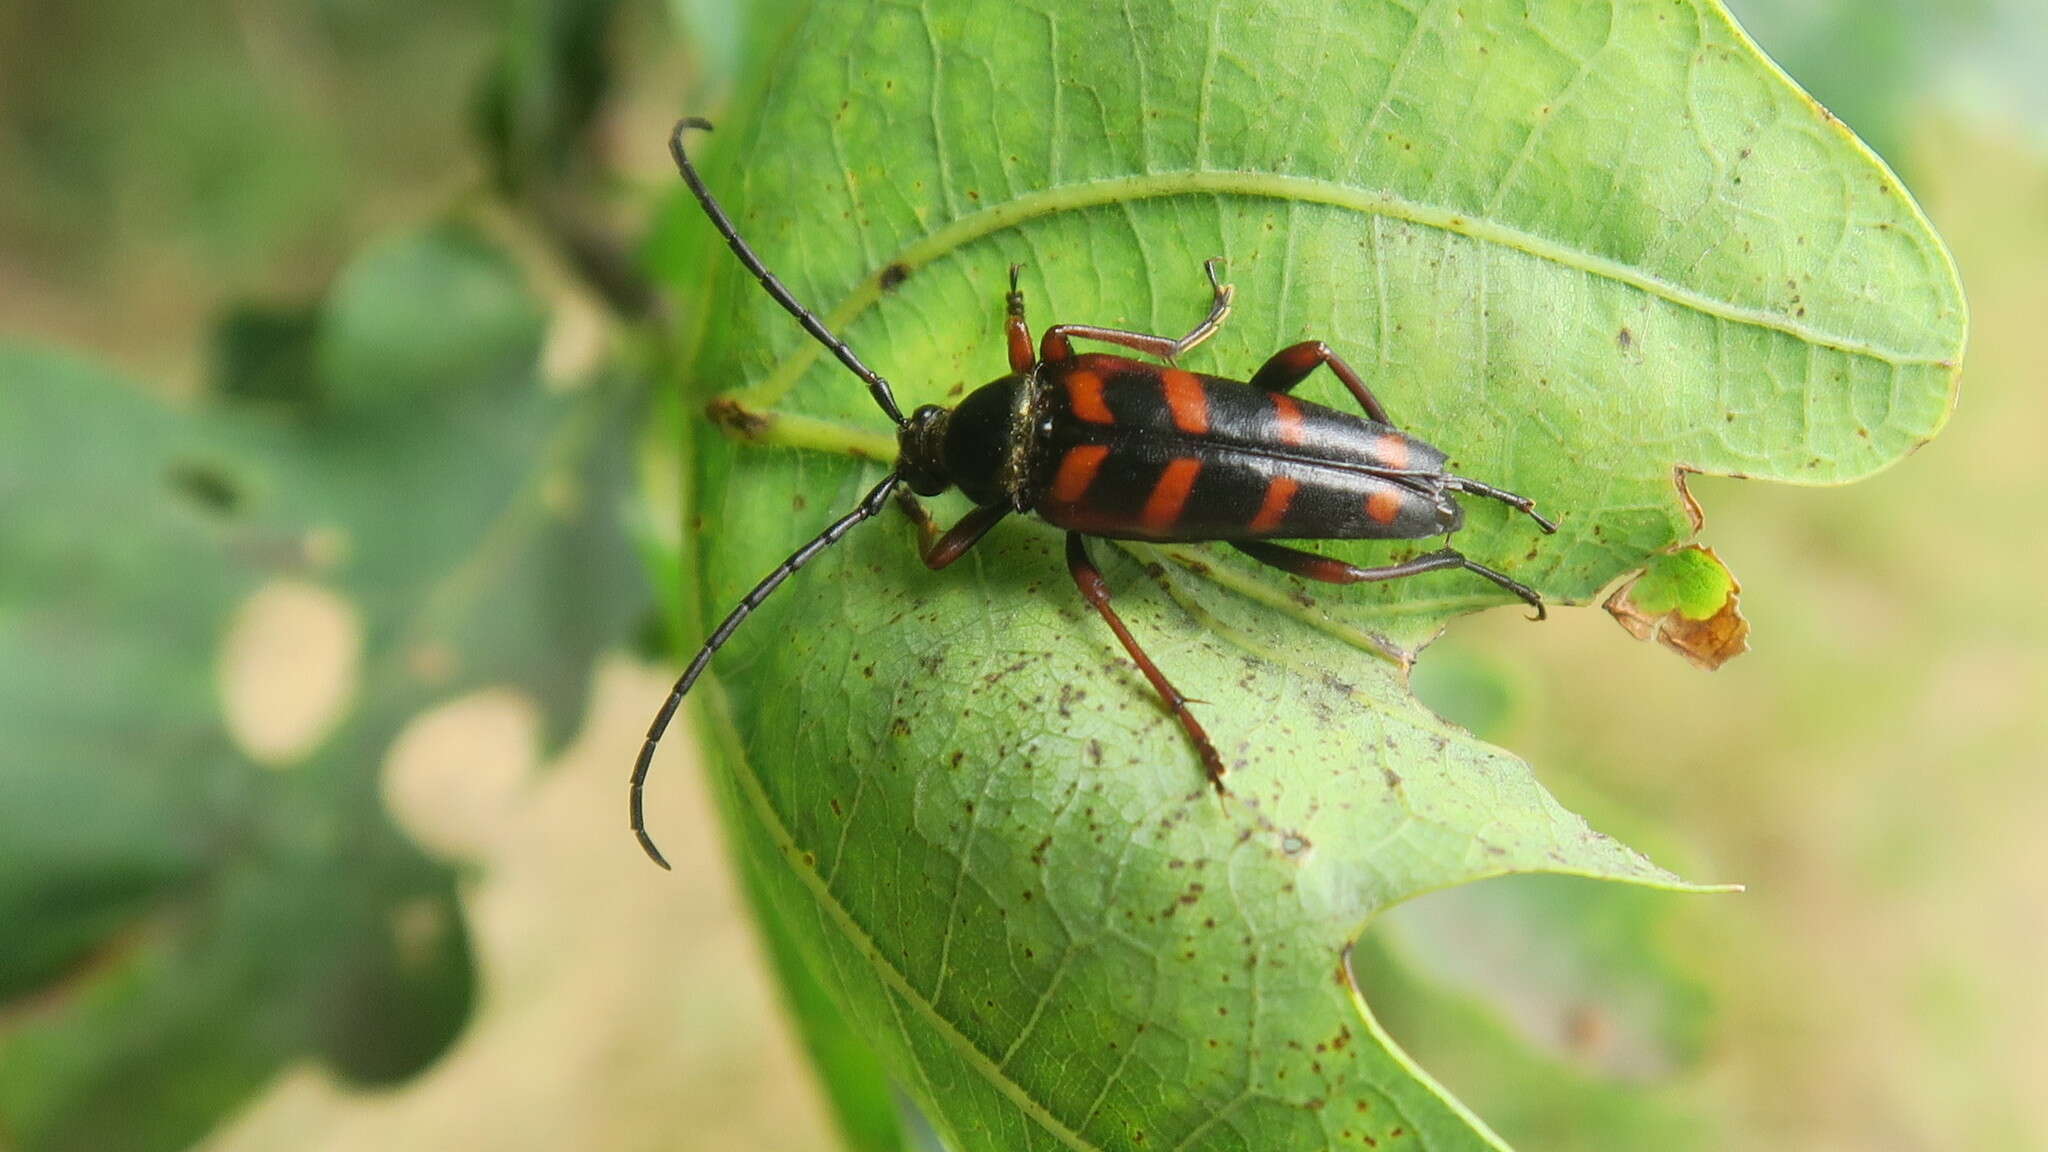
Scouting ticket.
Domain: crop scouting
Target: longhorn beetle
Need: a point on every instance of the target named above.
(1101, 445)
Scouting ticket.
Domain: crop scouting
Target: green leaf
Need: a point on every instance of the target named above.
(1687, 600)
(549, 81)
(855, 1083)
(265, 353)
(190, 902)
(1689, 581)
(416, 319)
(1578, 247)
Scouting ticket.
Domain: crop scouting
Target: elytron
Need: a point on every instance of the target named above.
(1102, 445)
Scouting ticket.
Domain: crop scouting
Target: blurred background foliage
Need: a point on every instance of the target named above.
(321, 639)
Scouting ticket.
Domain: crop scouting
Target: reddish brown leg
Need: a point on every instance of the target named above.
(1057, 343)
(1290, 366)
(1019, 333)
(938, 549)
(1096, 590)
(1310, 566)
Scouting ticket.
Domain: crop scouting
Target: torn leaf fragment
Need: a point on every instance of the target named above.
(1688, 601)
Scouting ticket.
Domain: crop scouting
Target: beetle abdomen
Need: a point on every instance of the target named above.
(1133, 450)
(1142, 489)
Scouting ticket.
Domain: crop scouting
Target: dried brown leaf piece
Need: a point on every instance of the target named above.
(1688, 601)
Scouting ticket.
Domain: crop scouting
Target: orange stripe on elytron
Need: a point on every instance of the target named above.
(1287, 419)
(1273, 509)
(1383, 504)
(1170, 494)
(1077, 471)
(1393, 451)
(1084, 394)
(1187, 400)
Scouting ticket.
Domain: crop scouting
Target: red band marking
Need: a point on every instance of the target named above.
(1287, 419)
(1084, 394)
(1170, 494)
(1273, 509)
(1077, 471)
(1383, 504)
(1187, 400)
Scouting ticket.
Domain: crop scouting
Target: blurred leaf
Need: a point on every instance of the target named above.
(1467, 688)
(182, 921)
(1574, 968)
(1995, 73)
(1878, 64)
(551, 76)
(1574, 246)
(412, 320)
(1547, 1003)
(1868, 61)
(712, 32)
(267, 353)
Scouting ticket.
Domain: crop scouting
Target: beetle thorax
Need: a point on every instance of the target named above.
(982, 446)
(1025, 414)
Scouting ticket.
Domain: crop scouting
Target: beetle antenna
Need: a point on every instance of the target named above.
(871, 504)
(877, 387)
(1520, 503)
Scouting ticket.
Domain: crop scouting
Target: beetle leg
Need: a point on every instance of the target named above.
(1057, 342)
(1096, 591)
(1513, 500)
(1329, 570)
(1290, 366)
(1019, 333)
(938, 549)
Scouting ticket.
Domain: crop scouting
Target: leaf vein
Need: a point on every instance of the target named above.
(863, 941)
(1125, 190)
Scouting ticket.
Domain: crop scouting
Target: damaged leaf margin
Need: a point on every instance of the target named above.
(1688, 601)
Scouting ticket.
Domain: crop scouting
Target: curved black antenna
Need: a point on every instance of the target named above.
(873, 503)
(877, 387)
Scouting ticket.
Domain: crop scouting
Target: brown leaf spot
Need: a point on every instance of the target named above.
(737, 419)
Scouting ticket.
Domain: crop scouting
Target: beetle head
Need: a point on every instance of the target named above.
(920, 451)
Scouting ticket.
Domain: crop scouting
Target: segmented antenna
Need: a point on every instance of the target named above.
(873, 503)
(877, 387)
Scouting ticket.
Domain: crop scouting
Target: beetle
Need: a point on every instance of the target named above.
(1105, 445)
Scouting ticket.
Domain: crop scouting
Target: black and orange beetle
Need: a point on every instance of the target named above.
(1102, 445)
